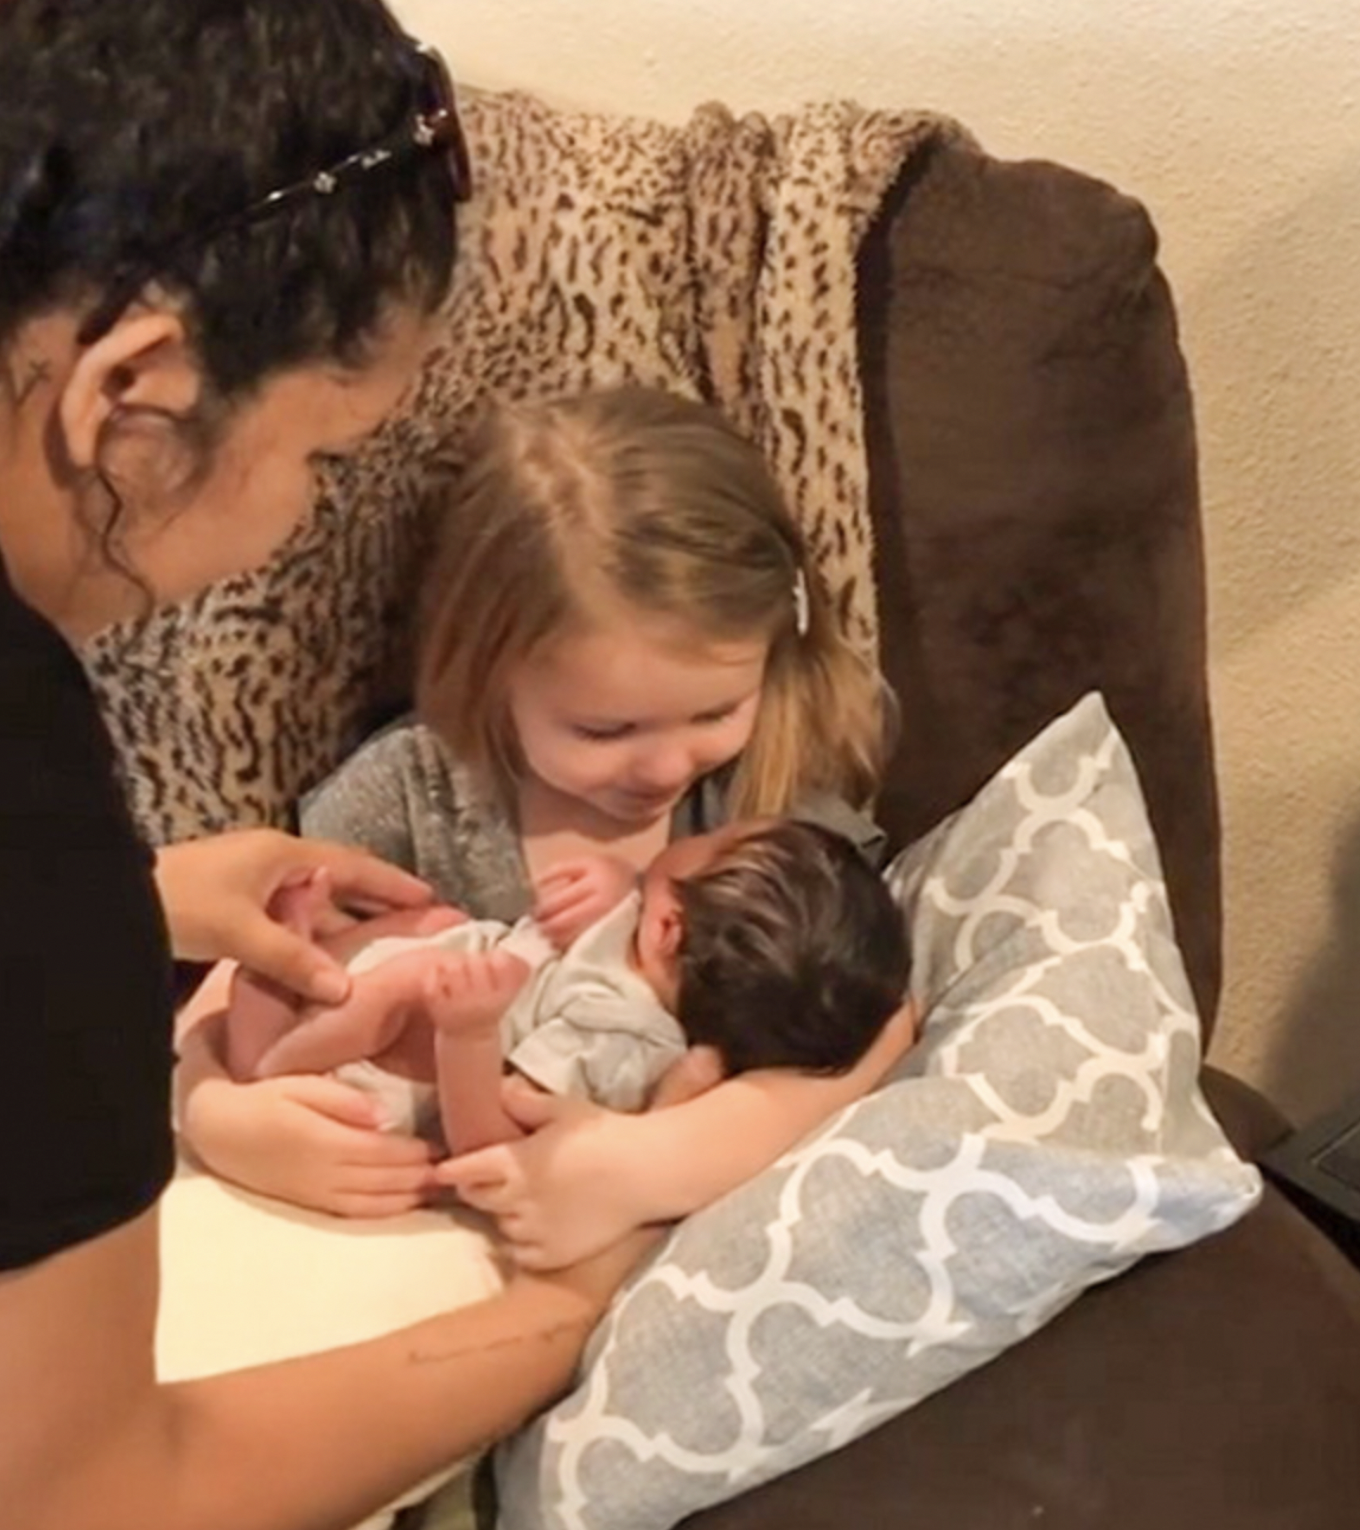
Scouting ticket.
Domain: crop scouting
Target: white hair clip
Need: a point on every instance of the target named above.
(802, 616)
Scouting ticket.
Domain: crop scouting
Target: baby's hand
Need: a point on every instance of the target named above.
(470, 991)
(573, 895)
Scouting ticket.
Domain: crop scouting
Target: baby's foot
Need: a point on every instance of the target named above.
(258, 1011)
(467, 994)
(302, 905)
(371, 1023)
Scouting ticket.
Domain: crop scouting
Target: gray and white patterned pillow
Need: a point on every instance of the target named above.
(1045, 1133)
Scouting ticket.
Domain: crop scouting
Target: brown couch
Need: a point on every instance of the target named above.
(1033, 472)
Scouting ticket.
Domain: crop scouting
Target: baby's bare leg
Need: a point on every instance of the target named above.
(258, 1011)
(382, 1003)
(260, 1015)
(465, 999)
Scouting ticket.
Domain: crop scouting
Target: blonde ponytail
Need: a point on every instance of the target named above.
(822, 724)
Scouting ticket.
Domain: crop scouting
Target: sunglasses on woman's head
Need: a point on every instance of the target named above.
(435, 128)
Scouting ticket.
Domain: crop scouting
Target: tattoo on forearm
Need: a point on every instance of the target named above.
(488, 1347)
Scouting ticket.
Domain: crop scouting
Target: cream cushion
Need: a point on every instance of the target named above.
(247, 1279)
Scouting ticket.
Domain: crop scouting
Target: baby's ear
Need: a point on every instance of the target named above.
(672, 931)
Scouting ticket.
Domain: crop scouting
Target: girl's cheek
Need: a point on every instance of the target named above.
(743, 726)
(728, 745)
(596, 762)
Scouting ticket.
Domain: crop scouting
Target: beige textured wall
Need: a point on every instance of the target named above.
(1238, 123)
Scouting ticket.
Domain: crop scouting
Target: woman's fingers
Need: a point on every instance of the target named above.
(362, 879)
(292, 961)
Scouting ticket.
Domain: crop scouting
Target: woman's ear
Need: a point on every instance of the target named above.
(143, 361)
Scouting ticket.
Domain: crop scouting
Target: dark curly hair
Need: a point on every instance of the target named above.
(793, 953)
(131, 130)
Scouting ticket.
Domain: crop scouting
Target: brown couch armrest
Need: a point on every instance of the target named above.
(1033, 485)
(1252, 1123)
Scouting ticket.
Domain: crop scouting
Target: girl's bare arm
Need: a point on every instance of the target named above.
(585, 1175)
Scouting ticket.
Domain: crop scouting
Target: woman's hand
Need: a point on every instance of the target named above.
(309, 1140)
(574, 1187)
(217, 894)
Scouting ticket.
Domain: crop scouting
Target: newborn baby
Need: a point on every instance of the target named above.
(762, 944)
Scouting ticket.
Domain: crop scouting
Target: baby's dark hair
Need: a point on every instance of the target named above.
(135, 133)
(793, 953)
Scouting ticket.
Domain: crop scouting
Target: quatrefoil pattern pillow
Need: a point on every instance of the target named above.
(1045, 1133)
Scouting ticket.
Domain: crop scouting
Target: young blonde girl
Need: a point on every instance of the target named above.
(641, 514)
(622, 641)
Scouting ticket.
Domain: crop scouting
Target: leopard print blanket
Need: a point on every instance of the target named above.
(717, 259)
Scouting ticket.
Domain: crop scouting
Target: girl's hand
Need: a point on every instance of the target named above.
(598, 1278)
(587, 1174)
(574, 894)
(308, 1140)
(575, 1186)
(217, 894)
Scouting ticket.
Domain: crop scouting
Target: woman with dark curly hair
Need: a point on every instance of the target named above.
(224, 225)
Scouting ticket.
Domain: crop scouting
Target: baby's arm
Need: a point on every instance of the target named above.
(465, 998)
(587, 1175)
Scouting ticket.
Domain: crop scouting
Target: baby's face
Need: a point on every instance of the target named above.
(660, 923)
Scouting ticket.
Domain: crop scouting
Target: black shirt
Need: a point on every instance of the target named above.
(85, 975)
